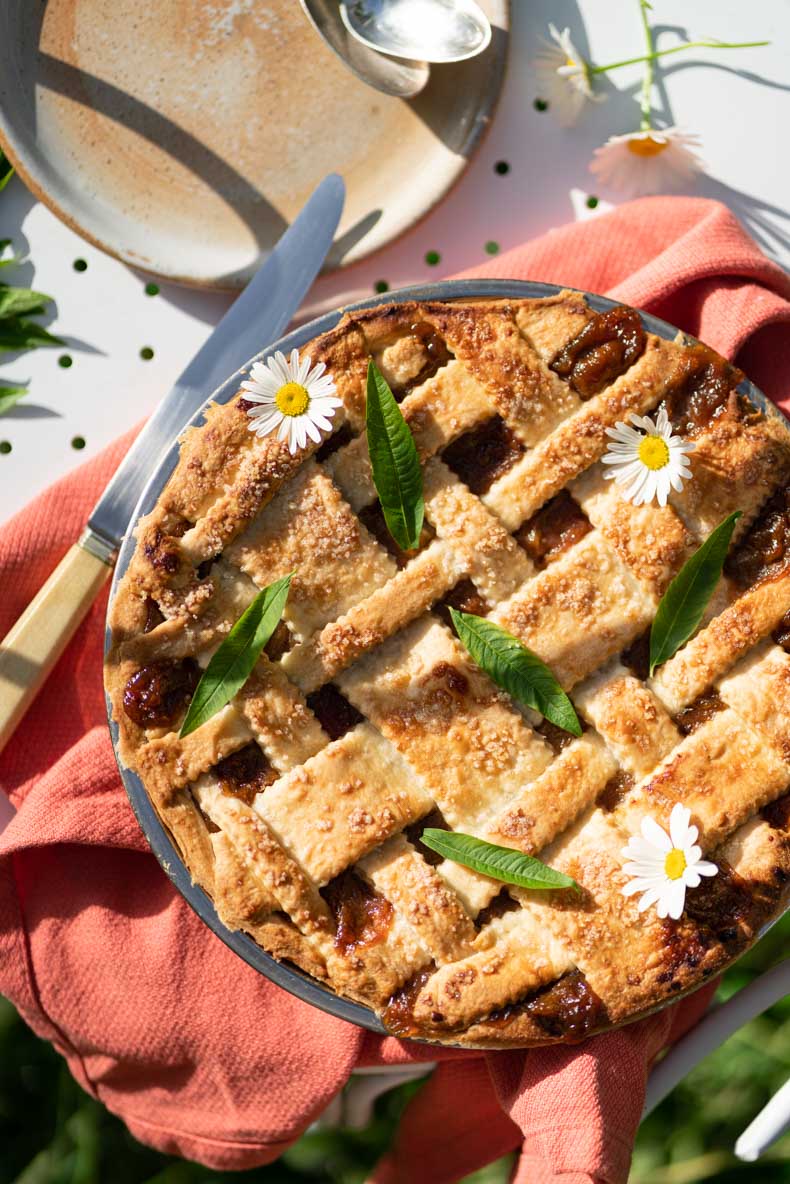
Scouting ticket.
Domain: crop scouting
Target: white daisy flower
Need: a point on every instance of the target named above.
(665, 865)
(647, 462)
(648, 161)
(564, 77)
(288, 395)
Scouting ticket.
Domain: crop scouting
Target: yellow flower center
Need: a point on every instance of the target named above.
(569, 62)
(654, 452)
(675, 864)
(647, 146)
(292, 399)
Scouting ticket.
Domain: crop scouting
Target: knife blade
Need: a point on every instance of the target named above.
(256, 318)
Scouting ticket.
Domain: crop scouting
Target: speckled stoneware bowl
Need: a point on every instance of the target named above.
(183, 135)
(284, 974)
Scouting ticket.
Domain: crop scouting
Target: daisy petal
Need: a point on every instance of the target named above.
(656, 835)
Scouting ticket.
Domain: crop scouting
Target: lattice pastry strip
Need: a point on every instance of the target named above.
(470, 747)
(651, 540)
(735, 465)
(758, 688)
(717, 647)
(579, 441)
(365, 626)
(549, 804)
(420, 894)
(580, 612)
(514, 955)
(525, 392)
(724, 772)
(440, 409)
(308, 529)
(339, 805)
(636, 727)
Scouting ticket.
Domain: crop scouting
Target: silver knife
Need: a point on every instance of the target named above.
(256, 318)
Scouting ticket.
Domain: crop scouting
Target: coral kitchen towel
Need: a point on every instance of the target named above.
(197, 1053)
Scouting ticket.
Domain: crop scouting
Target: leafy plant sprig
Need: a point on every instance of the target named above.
(516, 669)
(394, 463)
(501, 863)
(17, 331)
(682, 606)
(232, 664)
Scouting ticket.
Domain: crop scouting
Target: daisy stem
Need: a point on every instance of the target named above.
(645, 104)
(662, 53)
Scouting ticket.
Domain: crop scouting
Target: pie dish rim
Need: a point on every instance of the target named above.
(290, 977)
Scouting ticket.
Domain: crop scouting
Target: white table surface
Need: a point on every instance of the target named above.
(738, 101)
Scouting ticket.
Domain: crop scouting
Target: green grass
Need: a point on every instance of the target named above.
(53, 1133)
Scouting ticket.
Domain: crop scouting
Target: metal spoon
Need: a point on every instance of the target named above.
(404, 79)
(428, 30)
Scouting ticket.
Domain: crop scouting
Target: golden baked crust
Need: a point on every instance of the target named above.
(366, 720)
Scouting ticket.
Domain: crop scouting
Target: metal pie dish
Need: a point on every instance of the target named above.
(285, 974)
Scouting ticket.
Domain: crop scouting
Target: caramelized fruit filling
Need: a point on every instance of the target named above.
(502, 903)
(764, 552)
(554, 529)
(362, 917)
(398, 1015)
(436, 349)
(781, 633)
(604, 349)
(464, 597)
(699, 712)
(615, 790)
(703, 391)
(279, 643)
(333, 711)
(153, 615)
(568, 1009)
(157, 694)
(483, 455)
(437, 821)
(721, 902)
(245, 773)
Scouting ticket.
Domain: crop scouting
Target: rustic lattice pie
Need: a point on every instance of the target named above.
(299, 807)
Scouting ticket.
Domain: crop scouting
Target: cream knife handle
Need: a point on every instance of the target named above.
(36, 641)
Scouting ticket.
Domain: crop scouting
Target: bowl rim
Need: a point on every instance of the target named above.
(286, 975)
(29, 162)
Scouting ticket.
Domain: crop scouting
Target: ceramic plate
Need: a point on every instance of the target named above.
(183, 136)
(286, 974)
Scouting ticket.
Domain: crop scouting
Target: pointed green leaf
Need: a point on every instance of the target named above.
(14, 301)
(232, 664)
(18, 334)
(685, 600)
(516, 669)
(12, 259)
(501, 863)
(9, 395)
(394, 463)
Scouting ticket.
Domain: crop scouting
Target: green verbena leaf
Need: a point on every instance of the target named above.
(14, 301)
(501, 863)
(233, 663)
(9, 395)
(685, 600)
(5, 243)
(516, 669)
(17, 334)
(394, 463)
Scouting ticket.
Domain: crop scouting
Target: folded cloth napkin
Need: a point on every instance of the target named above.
(195, 1051)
